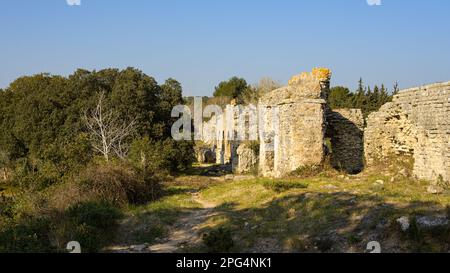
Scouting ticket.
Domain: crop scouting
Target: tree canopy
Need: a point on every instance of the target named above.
(365, 98)
(41, 116)
(232, 88)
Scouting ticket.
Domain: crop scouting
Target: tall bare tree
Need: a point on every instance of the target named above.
(256, 91)
(108, 131)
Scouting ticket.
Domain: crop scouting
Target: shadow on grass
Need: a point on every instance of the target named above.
(330, 222)
(209, 170)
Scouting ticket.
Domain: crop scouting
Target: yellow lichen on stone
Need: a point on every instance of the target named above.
(321, 74)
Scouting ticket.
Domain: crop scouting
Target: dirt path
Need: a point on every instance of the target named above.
(186, 231)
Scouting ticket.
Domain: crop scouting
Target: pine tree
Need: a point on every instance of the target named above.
(359, 98)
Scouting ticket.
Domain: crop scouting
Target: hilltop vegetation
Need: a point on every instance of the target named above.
(75, 150)
(365, 98)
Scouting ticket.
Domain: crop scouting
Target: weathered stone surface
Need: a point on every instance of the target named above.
(404, 223)
(432, 222)
(298, 138)
(434, 189)
(416, 123)
(205, 155)
(219, 133)
(345, 129)
(245, 161)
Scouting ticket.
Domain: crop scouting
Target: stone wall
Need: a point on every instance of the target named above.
(294, 125)
(221, 133)
(205, 155)
(217, 134)
(294, 120)
(416, 123)
(245, 160)
(345, 129)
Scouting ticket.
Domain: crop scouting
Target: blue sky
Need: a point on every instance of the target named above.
(201, 42)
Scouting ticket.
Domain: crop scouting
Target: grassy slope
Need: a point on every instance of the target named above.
(330, 215)
(335, 213)
(149, 222)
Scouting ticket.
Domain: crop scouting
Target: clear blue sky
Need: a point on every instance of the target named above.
(201, 42)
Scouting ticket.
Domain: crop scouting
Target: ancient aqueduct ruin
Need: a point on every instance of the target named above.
(415, 123)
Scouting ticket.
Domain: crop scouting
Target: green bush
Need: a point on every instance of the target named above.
(283, 185)
(162, 156)
(92, 224)
(6, 206)
(218, 240)
(98, 215)
(31, 236)
(43, 144)
(117, 184)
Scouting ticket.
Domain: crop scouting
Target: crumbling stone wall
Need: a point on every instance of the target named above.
(245, 160)
(416, 123)
(297, 138)
(205, 154)
(345, 128)
(220, 135)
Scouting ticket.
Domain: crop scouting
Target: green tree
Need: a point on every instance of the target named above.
(231, 88)
(168, 155)
(359, 99)
(340, 97)
(43, 136)
(171, 96)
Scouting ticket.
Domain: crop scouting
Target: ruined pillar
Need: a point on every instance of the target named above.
(294, 124)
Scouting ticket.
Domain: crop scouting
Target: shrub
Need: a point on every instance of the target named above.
(35, 174)
(309, 171)
(98, 215)
(29, 203)
(6, 206)
(218, 240)
(91, 224)
(117, 184)
(283, 185)
(162, 156)
(31, 235)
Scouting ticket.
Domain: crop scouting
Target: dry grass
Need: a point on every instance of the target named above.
(115, 184)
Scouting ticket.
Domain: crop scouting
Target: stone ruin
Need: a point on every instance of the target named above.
(345, 130)
(416, 123)
(298, 141)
